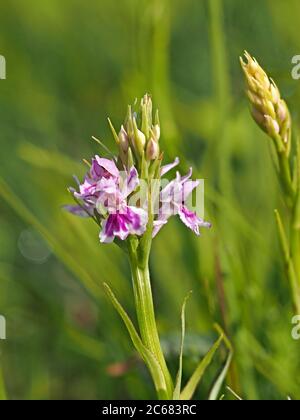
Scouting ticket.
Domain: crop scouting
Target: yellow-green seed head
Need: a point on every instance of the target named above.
(268, 109)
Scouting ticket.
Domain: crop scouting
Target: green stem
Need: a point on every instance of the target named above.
(295, 255)
(145, 309)
(286, 179)
(2, 386)
(293, 266)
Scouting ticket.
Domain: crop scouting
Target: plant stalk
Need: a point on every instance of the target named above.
(139, 263)
(290, 195)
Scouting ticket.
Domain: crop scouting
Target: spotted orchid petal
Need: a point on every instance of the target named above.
(191, 220)
(108, 167)
(131, 222)
(158, 224)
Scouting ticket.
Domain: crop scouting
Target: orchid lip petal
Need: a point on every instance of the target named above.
(186, 177)
(132, 221)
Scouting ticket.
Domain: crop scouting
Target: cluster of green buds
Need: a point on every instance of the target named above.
(138, 139)
(268, 109)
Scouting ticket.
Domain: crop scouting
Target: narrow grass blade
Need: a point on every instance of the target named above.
(84, 344)
(176, 394)
(234, 393)
(105, 148)
(285, 249)
(148, 357)
(214, 393)
(192, 384)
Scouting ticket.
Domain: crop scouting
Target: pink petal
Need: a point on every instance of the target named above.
(108, 165)
(191, 220)
(78, 211)
(138, 220)
(157, 225)
(168, 167)
(132, 181)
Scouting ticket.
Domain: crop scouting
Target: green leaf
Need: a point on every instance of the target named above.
(47, 159)
(176, 393)
(234, 393)
(296, 215)
(104, 147)
(84, 344)
(192, 384)
(147, 355)
(2, 386)
(214, 393)
(285, 249)
(144, 167)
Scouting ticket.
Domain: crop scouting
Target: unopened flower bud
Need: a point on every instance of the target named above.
(255, 100)
(152, 151)
(147, 102)
(146, 113)
(282, 111)
(263, 79)
(123, 137)
(266, 102)
(156, 131)
(139, 139)
(275, 94)
(269, 108)
(272, 126)
(258, 117)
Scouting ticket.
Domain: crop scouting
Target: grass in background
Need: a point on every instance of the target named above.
(68, 66)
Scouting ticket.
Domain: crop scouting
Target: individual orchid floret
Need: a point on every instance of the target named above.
(110, 183)
(125, 197)
(172, 202)
(129, 221)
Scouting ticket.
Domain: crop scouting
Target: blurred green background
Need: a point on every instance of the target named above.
(70, 64)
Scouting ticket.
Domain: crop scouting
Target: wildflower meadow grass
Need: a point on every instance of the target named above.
(128, 303)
